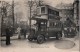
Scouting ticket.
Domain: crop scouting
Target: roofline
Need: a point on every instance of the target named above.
(53, 8)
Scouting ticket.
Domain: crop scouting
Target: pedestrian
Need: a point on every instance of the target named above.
(19, 32)
(7, 36)
(24, 32)
(11, 31)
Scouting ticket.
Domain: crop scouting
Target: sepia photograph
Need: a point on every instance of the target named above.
(39, 25)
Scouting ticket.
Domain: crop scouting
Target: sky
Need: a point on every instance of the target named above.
(24, 10)
(55, 2)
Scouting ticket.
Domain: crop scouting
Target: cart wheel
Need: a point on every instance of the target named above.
(40, 39)
(30, 39)
(58, 36)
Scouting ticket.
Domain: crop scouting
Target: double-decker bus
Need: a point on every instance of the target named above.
(47, 24)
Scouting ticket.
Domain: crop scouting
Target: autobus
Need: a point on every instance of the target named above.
(47, 24)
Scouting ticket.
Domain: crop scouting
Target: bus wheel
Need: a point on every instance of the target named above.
(58, 36)
(40, 39)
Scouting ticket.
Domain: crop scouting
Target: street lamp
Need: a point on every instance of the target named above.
(30, 7)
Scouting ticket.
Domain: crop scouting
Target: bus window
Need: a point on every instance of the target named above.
(38, 11)
(42, 10)
(55, 24)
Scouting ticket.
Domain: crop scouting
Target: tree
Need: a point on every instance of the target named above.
(3, 14)
(33, 4)
(7, 13)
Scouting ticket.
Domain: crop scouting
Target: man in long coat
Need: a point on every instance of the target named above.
(7, 36)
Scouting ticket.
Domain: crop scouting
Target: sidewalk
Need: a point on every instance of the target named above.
(15, 37)
(12, 38)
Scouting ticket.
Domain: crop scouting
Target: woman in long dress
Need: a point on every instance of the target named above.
(19, 32)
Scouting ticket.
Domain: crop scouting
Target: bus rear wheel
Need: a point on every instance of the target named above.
(58, 36)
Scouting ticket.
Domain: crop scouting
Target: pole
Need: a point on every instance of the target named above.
(13, 14)
(39, 3)
(30, 14)
(2, 17)
(1, 23)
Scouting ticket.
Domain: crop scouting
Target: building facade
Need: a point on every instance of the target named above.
(67, 14)
(76, 12)
(66, 11)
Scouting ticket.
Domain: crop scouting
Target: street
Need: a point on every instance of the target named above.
(51, 26)
(24, 45)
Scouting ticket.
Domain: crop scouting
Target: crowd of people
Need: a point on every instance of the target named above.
(21, 31)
